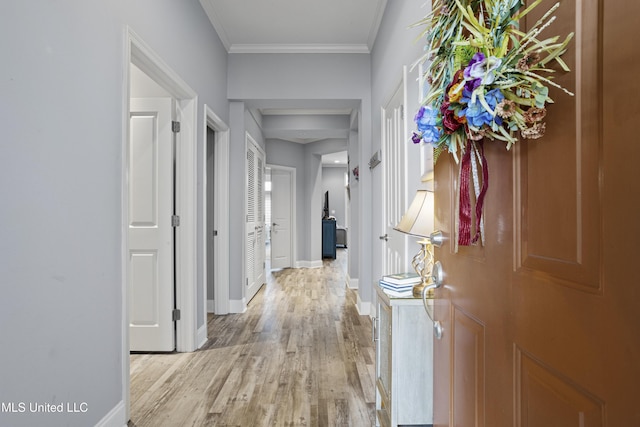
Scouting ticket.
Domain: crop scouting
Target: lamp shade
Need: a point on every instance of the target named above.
(418, 219)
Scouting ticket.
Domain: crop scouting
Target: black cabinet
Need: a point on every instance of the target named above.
(328, 238)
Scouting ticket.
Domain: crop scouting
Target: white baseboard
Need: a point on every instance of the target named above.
(364, 308)
(352, 283)
(117, 417)
(237, 306)
(211, 306)
(309, 264)
(201, 337)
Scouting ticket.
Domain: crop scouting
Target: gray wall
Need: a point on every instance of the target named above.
(395, 46)
(355, 226)
(313, 159)
(62, 113)
(237, 155)
(306, 159)
(290, 154)
(345, 77)
(61, 99)
(298, 76)
(333, 181)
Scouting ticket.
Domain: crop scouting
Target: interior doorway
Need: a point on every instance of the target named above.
(210, 229)
(140, 55)
(267, 217)
(150, 229)
(215, 238)
(281, 216)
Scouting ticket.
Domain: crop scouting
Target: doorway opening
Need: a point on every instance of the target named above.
(151, 232)
(140, 55)
(280, 212)
(267, 218)
(215, 195)
(210, 229)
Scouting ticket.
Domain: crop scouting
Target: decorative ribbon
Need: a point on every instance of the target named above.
(467, 169)
(464, 213)
(483, 192)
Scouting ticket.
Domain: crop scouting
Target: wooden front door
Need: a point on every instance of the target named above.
(541, 325)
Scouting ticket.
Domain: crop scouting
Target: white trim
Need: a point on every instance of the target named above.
(211, 306)
(221, 214)
(186, 241)
(299, 48)
(202, 335)
(237, 306)
(151, 64)
(294, 210)
(352, 283)
(308, 264)
(378, 20)
(139, 53)
(216, 22)
(124, 215)
(117, 417)
(363, 307)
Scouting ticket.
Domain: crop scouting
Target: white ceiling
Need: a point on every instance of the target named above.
(298, 26)
(336, 159)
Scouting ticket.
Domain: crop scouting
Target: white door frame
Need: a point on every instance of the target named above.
(139, 53)
(294, 237)
(397, 186)
(248, 139)
(221, 212)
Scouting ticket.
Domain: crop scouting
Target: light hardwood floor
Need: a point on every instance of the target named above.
(300, 356)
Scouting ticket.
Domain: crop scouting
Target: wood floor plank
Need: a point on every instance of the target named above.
(300, 356)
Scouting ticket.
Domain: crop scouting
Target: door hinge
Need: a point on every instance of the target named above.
(215, 233)
(175, 314)
(175, 126)
(175, 220)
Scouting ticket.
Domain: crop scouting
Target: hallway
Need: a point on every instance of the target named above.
(300, 356)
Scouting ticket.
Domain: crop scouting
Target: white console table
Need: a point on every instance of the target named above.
(404, 362)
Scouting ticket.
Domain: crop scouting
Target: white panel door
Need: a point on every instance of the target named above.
(151, 269)
(280, 219)
(255, 232)
(394, 164)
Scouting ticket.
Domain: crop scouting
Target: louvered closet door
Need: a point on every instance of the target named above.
(255, 233)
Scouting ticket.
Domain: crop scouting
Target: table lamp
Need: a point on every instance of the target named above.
(418, 221)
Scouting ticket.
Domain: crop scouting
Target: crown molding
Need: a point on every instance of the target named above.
(299, 48)
(216, 22)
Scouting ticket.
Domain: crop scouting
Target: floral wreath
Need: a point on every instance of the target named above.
(487, 79)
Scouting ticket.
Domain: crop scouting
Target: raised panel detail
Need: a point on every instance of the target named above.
(558, 226)
(467, 361)
(143, 297)
(143, 181)
(544, 398)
